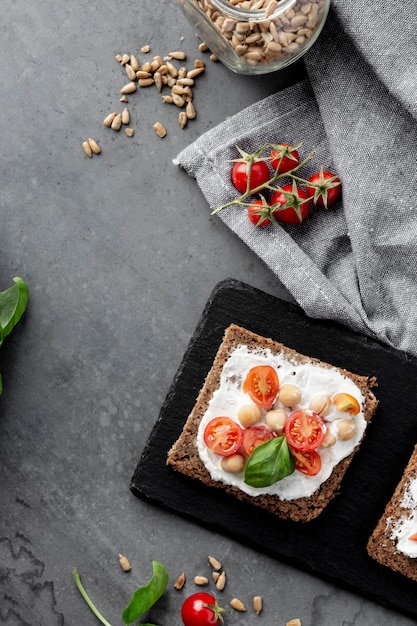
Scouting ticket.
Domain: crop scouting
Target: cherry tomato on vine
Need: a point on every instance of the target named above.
(254, 436)
(307, 461)
(326, 188)
(258, 213)
(284, 158)
(259, 175)
(292, 204)
(262, 384)
(201, 609)
(223, 436)
(304, 430)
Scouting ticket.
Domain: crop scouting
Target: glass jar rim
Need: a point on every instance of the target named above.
(248, 15)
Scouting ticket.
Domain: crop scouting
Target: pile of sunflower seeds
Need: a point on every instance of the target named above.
(164, 75)
(168, 76)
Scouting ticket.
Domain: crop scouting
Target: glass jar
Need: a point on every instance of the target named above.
(257, 36)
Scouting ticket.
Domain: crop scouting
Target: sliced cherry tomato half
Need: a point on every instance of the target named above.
(262, 384)
(223, 436)
(304, 430)
(254, 436)
(347, 403)
(307, 461)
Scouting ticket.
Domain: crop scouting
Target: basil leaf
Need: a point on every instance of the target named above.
(145, 597)
(269, 462)
(13, 303)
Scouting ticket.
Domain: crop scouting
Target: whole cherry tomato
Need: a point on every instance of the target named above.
(284, 158)
(259, 175)
(201, 609)
(325, 189)
(259, 213)
(292, 204)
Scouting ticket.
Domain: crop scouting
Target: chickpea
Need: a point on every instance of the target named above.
(276, 419)
(289, 395)
(320, 405)
(329, 439)
(249, 414)
(346, 429)
(233, 464)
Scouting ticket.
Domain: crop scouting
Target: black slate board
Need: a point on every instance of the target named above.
(332, 546)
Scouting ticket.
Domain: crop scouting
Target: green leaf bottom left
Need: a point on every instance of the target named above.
(145, 597)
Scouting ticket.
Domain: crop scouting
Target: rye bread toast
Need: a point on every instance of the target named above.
(184, 456)
(382, 545)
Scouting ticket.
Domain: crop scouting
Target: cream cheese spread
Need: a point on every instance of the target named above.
(312, 379)
(406, 526)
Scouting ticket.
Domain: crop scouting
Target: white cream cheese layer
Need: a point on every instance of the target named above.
(313, 380)
(406, 526)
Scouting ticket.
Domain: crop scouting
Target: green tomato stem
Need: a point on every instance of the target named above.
(87, 599)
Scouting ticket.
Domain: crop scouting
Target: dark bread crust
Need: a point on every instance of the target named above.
(184, 457)
(380, 545)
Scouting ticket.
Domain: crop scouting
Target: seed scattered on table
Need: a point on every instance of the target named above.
(129, 132)
(117, 122)
(221, 581)
(160, 129)
(129, 88)
(179, 583)
(95, 148)
(125, 116)
(124, 563)
(257, 604)
(237, 605)
(294, 622)
(201, 580)
(87, 149)
(182, 119)
(108, 121)
(215, 563)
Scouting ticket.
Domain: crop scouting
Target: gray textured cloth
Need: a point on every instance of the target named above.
(356, 264)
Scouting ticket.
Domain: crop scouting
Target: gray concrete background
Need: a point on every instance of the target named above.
(120, 254)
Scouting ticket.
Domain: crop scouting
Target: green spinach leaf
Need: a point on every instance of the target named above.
(145, 597)
(269, 462)
(13, 303)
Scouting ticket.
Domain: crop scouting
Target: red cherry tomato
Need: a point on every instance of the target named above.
(258, 213)
(307, 461)
(326, 188)
(223, 436)
(284, 158)
(201, 609)
(259, 175)
(253, 436)
(292, 204)
(262, 384)
(304, 430)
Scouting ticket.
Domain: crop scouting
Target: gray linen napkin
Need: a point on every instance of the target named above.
(355, 263)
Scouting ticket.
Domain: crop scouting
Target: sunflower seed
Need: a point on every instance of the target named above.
(95, 148)
(159, 129)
